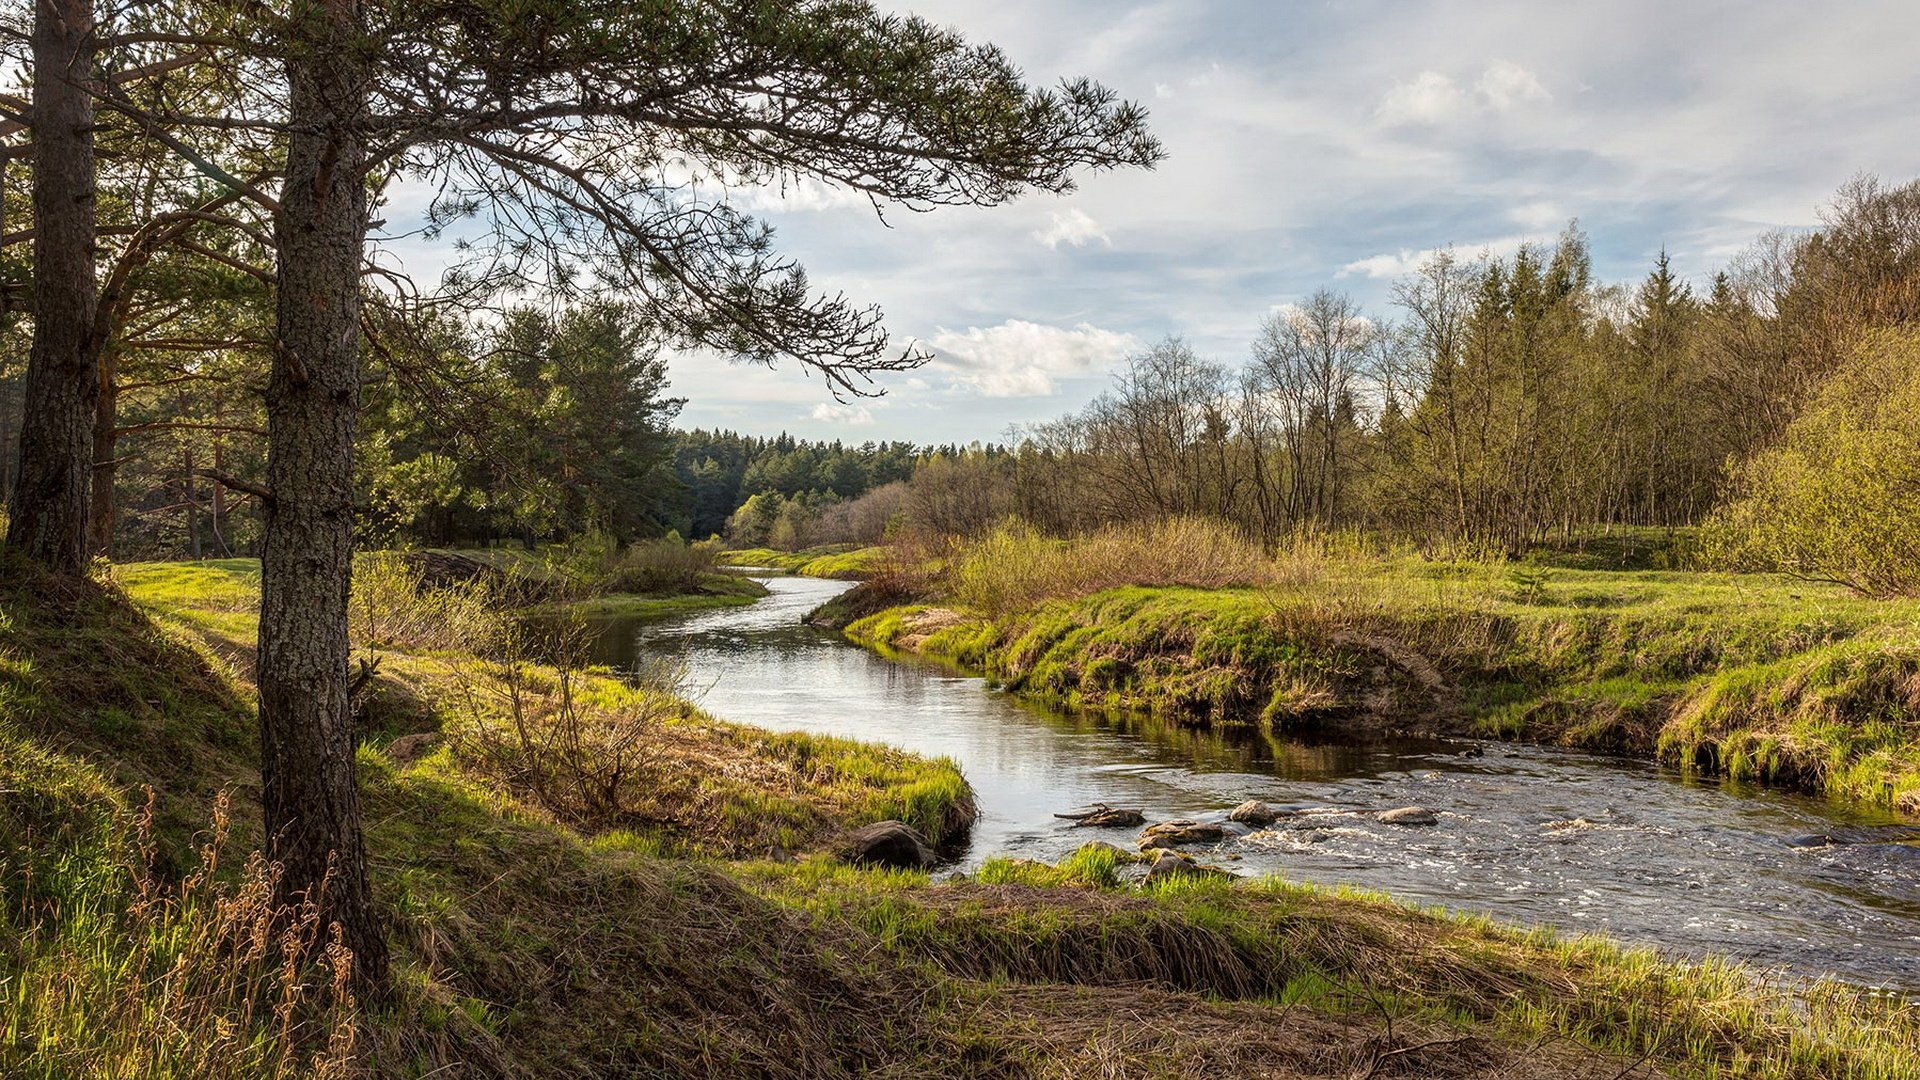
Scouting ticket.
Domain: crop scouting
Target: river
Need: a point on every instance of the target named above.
(1528, 835)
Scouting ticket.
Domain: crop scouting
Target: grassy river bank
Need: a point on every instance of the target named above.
(691, 925)
(1791, 683)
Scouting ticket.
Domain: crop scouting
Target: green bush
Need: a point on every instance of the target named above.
(596, 565)
(1835, 499)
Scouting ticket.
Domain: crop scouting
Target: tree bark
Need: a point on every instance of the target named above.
(48, 509)
(308, 782)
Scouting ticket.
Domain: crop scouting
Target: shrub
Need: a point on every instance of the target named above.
(597, 565)
(1015, 567)
(393, 607)
(1834, 501)
(580, 748)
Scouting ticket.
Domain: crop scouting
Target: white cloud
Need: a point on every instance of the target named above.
(1433, 97)
(1401, 263)
(1539, 215)
(1506, 84)
(1022, 359)
(802, 194)
(1430, 98)
(1075, 227)
(833, 412)
(1390, 265)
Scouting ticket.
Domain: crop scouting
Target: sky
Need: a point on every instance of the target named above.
(1331, 145)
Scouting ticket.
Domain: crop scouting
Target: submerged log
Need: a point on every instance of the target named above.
(1103, 816)
(1409, 815)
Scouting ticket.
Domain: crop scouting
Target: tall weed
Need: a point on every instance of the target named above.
(210, 978)
(393, 607)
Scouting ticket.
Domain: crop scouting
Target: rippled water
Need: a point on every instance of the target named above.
(1528, 835)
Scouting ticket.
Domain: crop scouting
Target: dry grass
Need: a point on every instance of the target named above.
(1015, 567)
(208, 978)
(394, 606)
(1122, 1033)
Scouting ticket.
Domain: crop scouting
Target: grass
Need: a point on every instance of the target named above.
(842, 561)
(526, 946)
(704, 788)
(1349, 953)
(1785, 682)
(715, 590)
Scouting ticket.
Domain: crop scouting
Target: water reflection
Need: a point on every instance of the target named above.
(1574, 840)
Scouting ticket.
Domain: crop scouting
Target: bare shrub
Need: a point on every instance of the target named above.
(584, 749)
(865, 520)
(208, 978)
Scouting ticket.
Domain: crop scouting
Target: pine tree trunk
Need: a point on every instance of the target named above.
(48, 509)
(309, 790)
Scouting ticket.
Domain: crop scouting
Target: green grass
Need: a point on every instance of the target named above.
(715, 591)
(844, 561)
(1345, 951)
(1784, 682)
(525, 947)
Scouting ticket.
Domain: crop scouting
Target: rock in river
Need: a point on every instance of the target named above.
(1170, 864)
(1103, 816)
(1256, 813)
(1172, 833)
(1409, 815)
(886, 843)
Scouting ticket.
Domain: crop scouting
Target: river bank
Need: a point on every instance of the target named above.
(532, 945)
(841, 562)
(1795, 684)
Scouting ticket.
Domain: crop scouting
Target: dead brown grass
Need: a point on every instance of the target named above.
(1124, 1033)
(1015, 567)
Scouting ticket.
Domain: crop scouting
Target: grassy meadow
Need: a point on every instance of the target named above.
(545, 931)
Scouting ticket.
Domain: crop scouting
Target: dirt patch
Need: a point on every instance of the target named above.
(916, 628)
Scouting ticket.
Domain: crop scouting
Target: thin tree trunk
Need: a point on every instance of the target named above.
(192, 501)
(106, 449)
(48, 511)
(308, 786)
(219, 509)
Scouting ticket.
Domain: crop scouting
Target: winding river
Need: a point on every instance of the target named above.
(1528, 835)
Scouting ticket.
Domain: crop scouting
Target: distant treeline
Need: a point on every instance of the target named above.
(1494, 403)
(1499, 402)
